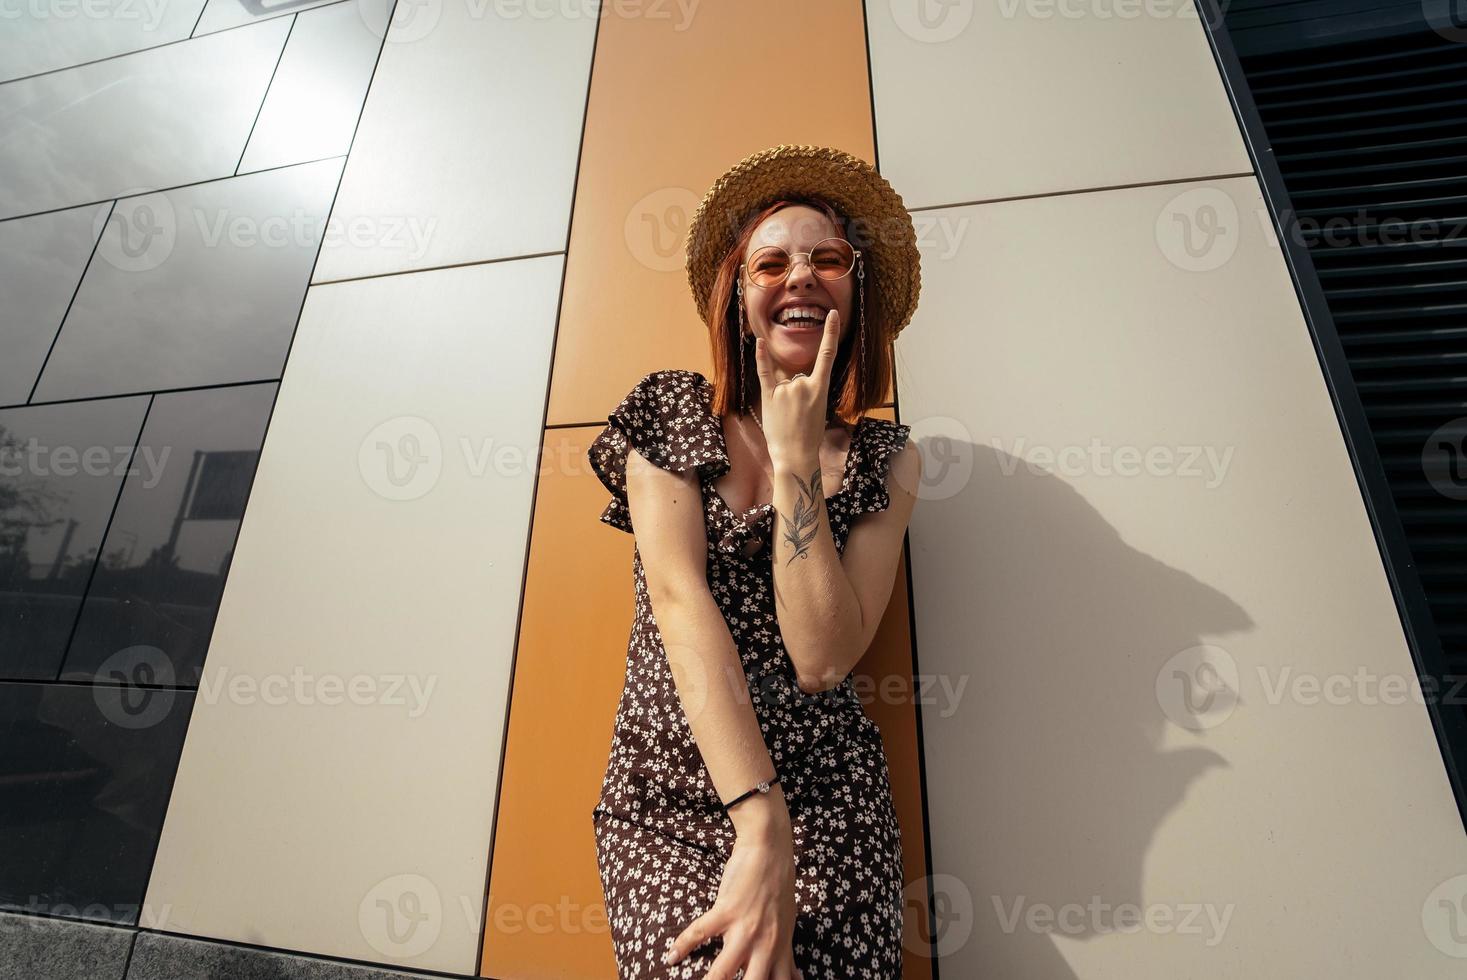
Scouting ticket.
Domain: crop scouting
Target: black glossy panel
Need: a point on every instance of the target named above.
(51, 36)
(60, 470)
(85, 772)
(158, 118)
(41, 261)
(167, 552)
(195, 286)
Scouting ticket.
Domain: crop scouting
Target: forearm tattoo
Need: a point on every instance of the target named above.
(800, 526)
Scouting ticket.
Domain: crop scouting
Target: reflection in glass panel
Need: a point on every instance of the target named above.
(158, 118)
(222, 14)
(41, 261)
(42, 38)
(85, 774)
(316, 95)
(60, 470)
(167, 552)
(194, 286)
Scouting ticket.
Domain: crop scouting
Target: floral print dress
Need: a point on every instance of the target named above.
(662, 837)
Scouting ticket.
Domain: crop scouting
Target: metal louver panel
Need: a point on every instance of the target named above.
(1355, 117)
(1371, 141)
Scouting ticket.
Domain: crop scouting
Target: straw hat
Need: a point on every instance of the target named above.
(878, 222)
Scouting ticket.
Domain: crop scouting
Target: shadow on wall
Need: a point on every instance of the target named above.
(1049, 780)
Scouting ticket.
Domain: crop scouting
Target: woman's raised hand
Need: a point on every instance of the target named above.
(793, 411)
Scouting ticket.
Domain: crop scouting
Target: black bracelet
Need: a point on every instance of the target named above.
(760, 788)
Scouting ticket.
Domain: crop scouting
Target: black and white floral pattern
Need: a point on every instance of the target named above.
(662, 836)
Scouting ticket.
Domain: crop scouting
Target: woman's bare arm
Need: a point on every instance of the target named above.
(828, 605)
(667, 512)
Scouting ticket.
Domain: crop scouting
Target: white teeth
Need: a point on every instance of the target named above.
(800, 312)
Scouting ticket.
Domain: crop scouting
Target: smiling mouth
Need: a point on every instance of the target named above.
(803, 320)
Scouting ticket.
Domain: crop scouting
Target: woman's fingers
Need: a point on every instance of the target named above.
(697, 932)
(762, 365)
(726, 966)
(761, 966)
(825, 357)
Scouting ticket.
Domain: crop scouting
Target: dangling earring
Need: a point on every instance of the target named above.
(861, 328)
(743, 399)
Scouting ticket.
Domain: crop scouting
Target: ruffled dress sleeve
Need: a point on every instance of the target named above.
(884, 439)
(664, 417)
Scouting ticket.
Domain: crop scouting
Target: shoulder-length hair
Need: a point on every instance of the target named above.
(862, 372)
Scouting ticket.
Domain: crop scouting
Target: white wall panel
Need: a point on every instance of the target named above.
(1190, 488)
(384, 538)
(467, 146)
(979, 101)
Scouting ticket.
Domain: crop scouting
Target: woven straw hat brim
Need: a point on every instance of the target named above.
(880, 225)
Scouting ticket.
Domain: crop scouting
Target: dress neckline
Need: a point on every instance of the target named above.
(725, 463)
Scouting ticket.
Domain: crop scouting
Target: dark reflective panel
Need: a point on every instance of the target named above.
(144, 121)
(85, 773)
(60, 469)
(195, 286)
(42, 37)
(41, 261)
(167, 552)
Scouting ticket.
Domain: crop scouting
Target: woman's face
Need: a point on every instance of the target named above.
(793, 344)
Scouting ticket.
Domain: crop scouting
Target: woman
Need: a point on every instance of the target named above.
(745, 825)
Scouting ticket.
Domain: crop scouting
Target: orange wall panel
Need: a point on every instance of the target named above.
(546, 916)
(672, 105)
